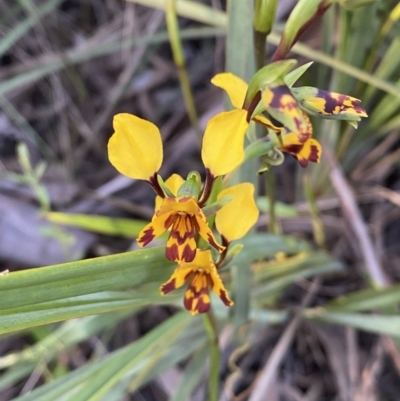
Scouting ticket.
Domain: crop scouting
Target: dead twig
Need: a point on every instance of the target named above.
(354, 218)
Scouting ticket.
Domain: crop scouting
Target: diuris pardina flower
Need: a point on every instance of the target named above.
(294, 129)
(281, 101)
(296, 133)
(202, 274)
(233, 221)
(135, 150)
(185, 217)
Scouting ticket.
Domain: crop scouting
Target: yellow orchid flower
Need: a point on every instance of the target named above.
(233, 221)
(202, 274)
(135, 150)
(236, 89)
(296, 134)
(283, 106)
(185, 218)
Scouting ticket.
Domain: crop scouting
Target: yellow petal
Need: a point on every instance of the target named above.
(178, 278)
(267, 123)
(291, 138)
(135, 148)
(183, 205)
(156, 227)
(234, 86)
(222, 149)
(236, 218)
(206, 233)
(310, 150)
(218, 287)
(173, 183)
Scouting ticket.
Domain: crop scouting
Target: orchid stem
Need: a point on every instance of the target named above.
(260, 54)
(272, 227)
(179, 59)
(213, 381)
(260, 39)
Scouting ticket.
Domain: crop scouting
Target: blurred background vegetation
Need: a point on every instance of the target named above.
(316, 307)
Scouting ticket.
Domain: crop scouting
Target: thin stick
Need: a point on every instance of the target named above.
(353, 216)
(213, 381)
(268, 374)
(179, 59)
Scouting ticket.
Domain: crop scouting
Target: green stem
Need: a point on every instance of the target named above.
(318, 225)
(260, 39)
(272, 226)
(260, 54)
(213, 383)
(179, 59)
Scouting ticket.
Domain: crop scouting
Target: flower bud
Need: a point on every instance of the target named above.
(303, 15)
(330, 105)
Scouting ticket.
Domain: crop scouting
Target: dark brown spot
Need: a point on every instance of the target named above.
(171, 252)
(188, 254)
(330, 102)
(279, 92)
(294, 149)
(170, 220)
(187, 302)
(211, 241)
(146, 237)
(224, 298)
(314, 154)
(202, 307)
(167, 287)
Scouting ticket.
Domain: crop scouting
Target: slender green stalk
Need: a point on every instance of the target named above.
(264, 17)
(213, 382)
(179, 59)
(240, 61)
(318, 225)
(260, 39)
(260, 53)
(344, 142)
(272, 225)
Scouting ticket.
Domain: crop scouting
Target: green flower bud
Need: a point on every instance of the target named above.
(302, 16)
(191, 187)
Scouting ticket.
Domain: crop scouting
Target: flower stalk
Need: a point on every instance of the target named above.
(264, 16)
(212, 332)
(179, 59)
